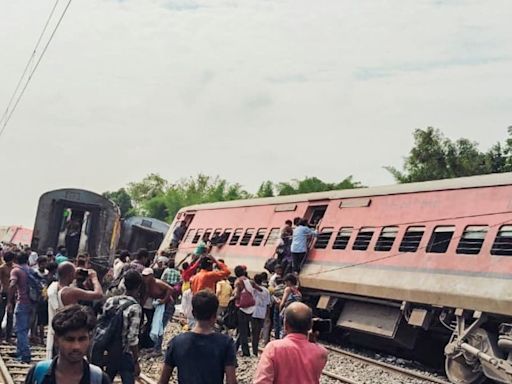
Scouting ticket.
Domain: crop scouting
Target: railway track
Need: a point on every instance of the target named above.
(14, 372)
(386, 367)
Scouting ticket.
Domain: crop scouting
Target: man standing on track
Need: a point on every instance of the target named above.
(201, 356)
(127, 365)
(293, 359)
(5, 275)
(207, 278)
(19, 282)
(60, 294)
(73, 327)
(162, 293)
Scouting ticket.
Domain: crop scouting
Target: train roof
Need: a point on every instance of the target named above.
(495, 179)
(78, 195)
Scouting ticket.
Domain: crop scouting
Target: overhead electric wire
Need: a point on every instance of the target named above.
(35, 68)
(29, 60)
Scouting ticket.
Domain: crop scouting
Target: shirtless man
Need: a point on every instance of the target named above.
(5, 273)
(61, 293)
(161, 292)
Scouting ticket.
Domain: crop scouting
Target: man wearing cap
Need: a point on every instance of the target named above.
(162, 293)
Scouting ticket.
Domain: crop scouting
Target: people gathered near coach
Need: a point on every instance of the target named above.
(130, 311)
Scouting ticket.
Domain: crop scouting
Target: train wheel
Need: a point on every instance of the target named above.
(460, 371)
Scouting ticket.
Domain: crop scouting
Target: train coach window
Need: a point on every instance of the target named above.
(227, 232)
(503, 243)
(323, 238)
(440, 239)
(273, 236)
(342, 238)
(236, 236)
(472, 239)
(197, 236)
(207, 234)
(247, 236)
(363, 239)
(386, 239)
(260, 235)
(412, 239)
(189, 236)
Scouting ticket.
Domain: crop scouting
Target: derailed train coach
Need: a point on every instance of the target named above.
(404, 263)
(80, 220)
(142, 232)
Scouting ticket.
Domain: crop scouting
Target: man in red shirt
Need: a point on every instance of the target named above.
(293, 359)
(207, 278)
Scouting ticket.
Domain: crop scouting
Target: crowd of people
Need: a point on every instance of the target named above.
(105, 324)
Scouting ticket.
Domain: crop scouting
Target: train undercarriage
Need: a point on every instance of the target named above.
(477, 346)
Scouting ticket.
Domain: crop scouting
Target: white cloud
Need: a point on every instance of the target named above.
(249, 90)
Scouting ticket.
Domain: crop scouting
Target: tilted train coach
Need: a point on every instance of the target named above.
(392, 262)
(86, 222)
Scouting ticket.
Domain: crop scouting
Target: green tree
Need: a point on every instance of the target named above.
(434, 157)
(191, 191)
(314, 184)
(266, 189)
(151, 186)
(123, 201)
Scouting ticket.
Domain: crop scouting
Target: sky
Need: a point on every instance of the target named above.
(249, 90)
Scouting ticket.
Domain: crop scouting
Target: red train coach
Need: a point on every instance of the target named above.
(394, 261)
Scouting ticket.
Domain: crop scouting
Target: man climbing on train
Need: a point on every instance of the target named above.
(300, 239)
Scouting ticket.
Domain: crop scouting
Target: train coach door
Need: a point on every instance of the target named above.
(74, 227)
(188, 217)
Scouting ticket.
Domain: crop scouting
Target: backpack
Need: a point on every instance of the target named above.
(246, 299)
(108, 337)
(230, 316)
(42, 368)
(35, 284)
(270, 264)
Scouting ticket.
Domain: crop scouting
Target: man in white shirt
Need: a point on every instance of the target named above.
(32, 258)
(278, 272)
(262, 298)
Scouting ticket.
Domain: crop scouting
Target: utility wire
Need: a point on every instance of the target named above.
(352, 265)
(35, 68)
(30, 59)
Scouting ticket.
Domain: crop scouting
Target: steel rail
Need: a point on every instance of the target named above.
(387, 366)
(335, 376)
(8, 369)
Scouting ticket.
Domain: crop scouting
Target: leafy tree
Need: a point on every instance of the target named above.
(266, 189)
(155, 197)
(436, 157)
(202, 189)
(314, 184)
(142, 191)
(123, 201)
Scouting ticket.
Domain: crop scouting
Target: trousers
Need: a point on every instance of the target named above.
(242, 340)
(169, 311)
(22, 316)
(126, 370)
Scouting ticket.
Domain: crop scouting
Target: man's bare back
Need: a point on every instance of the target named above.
(157, 289)
(5, 274)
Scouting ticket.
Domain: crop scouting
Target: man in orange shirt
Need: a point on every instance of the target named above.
(207, 278)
